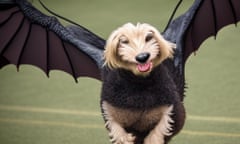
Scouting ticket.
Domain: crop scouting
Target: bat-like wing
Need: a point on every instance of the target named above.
(204, 19)
(27, 36)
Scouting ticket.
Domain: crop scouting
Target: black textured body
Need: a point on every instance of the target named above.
(28, 36)
(123, 89)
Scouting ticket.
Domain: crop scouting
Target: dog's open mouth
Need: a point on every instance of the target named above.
(144, 67)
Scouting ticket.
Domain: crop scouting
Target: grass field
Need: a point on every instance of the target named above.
(35, 109)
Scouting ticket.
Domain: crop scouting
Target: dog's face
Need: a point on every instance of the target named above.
(137, 48)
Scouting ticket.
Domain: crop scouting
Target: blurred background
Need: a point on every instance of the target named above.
(35, 109)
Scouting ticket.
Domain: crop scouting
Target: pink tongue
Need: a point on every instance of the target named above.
(144, 67)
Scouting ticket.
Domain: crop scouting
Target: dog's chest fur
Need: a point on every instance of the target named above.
(137, 102)
(123, 89)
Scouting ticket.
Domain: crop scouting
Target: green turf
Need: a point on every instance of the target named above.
(37, 110)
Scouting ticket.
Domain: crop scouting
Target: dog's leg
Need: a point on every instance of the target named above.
(162, 129)
(117, 133)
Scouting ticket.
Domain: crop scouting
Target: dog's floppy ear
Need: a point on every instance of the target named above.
(166, 47)
(110, 53)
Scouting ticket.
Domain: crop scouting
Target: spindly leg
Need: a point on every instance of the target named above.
(162, 129)
(117, 133)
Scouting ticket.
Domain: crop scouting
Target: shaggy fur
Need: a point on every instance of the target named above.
(125, 43)
(140, 107)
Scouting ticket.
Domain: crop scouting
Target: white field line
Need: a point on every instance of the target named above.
(93, 113)
(208, 133)
(98, 126)
(50, 123)
(48, 110)
(214, 118)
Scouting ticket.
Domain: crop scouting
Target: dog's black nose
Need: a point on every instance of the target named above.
(142, 57)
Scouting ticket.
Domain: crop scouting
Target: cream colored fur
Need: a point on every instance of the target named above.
(156, 136)
(125, 43)
(118, 134)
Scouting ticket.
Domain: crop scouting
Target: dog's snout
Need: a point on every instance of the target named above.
(142, 57)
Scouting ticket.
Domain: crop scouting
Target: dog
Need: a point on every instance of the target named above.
(140, 101)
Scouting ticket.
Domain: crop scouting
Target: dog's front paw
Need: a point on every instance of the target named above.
(154, 139)
(124, 138)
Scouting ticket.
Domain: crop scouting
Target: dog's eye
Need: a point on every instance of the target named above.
(123, 40)
(149, 36)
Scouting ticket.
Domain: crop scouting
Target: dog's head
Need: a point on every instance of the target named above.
(137, 48)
